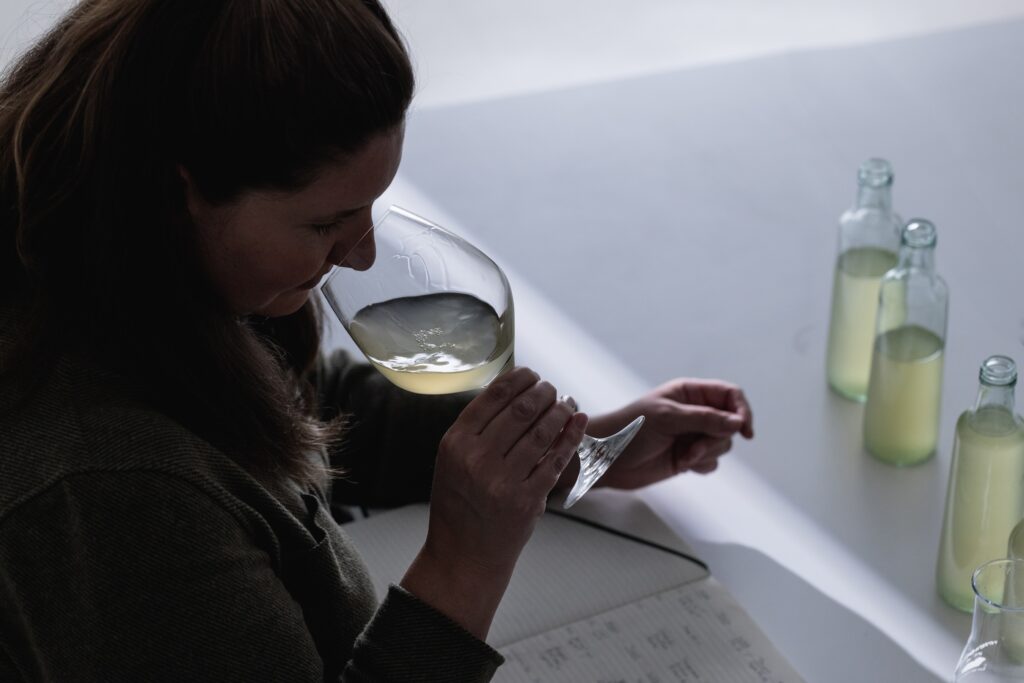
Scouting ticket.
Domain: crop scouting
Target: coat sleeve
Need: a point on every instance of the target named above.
(388, 449)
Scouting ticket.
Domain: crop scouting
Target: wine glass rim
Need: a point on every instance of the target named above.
(337, 269)
(416, 218)
(375, 225)
(980, 594)
(405, 213)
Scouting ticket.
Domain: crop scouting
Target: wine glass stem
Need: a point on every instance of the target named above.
(596, 456)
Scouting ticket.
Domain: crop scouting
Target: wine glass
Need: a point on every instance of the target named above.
(994, 652)
(435, 315)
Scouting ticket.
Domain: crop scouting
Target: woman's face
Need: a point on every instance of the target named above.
(266, 251)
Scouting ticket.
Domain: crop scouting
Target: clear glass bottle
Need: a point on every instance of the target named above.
(1015, 547)
(993, 652)
(901, 417)
(985, 498)
(869, 239)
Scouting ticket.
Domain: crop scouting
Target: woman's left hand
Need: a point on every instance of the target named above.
(690, 423)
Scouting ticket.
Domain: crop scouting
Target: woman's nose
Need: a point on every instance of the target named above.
(363, 254)
(357, 257)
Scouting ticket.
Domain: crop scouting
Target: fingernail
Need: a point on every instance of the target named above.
(570, 401)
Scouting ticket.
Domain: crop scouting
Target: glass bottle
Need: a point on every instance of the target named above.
(901, 418)
(993, 652)
(1015, 547)
(869, 238)
(985, 498)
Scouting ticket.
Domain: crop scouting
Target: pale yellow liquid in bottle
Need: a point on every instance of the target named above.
(434, 344)
(851, 333)
(985, 499)
(901, 418)
(1014, 591)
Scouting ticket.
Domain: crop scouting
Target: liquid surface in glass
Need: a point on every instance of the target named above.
(851, 333)
(901, 418)
(986, 493)
(436, 343)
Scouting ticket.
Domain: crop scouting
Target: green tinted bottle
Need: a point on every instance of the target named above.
(985, 498)
(869, 235)
(901, 417)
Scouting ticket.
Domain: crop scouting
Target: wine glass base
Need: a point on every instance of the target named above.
(596, 456)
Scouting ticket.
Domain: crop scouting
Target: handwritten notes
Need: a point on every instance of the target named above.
(695, 632)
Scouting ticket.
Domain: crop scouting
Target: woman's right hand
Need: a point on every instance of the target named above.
(495, 467)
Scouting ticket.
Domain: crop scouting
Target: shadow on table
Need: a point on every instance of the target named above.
(792, 612)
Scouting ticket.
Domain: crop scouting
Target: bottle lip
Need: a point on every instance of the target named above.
(919, 233)
(998, 371)
(875, 173)
(988, 581)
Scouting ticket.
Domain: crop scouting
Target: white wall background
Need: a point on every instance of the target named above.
(477, 49)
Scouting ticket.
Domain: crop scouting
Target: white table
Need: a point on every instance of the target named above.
(685, 224)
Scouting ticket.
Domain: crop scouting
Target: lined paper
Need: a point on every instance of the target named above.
(694, 632)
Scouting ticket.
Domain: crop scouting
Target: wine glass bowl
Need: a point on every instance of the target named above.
(435, 315)
(432, 313)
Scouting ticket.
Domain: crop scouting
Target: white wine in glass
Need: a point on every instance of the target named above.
(435, 343)
(435, 315)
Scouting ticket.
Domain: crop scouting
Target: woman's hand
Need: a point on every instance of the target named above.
(690, 424)
(495, 467)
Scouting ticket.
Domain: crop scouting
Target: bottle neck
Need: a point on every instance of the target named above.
(877, 198)
(917, 258)
(990, 396)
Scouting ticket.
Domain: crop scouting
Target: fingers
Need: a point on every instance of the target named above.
(539, 438)
(545, 473)
(517, 418)
(706, 467)
(495, 398)
(702, 456)
(731, 398)
(715, 394)
(710, 421)
(737, 402)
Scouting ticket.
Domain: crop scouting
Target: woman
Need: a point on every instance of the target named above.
(176, 177)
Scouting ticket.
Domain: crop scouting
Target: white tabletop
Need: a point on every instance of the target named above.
(684, 223)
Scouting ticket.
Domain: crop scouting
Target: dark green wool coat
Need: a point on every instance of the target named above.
(132, 550)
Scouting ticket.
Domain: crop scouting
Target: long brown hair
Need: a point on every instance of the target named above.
(97, 251)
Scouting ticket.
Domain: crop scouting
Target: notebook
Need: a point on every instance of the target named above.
(588, 602)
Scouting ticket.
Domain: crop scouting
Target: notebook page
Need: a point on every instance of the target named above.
(567, 571)
(694, 632)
